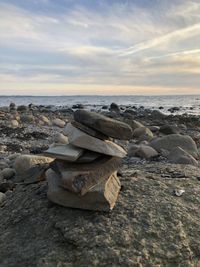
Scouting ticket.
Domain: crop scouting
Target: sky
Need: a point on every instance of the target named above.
(67, 47)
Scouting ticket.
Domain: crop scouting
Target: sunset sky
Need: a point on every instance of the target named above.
(55, 47)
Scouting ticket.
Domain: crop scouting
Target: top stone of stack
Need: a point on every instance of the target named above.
(107, 126)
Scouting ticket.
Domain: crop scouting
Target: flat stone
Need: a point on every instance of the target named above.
(83, 140)
(100, 198)
(65, 152)
(89, 131)
(171, 141)
(81, 177)
(88, 156)
(103, 124)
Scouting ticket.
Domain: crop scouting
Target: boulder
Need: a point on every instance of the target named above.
(103, 124)
(169, 142)
(25, 162)
(101, 197)
(132, 150)
(83, 140)
(146, 152)
(169, 129)
(143, 133)
(80, 177)
(114, 107)
(180, 156)
(65, 152)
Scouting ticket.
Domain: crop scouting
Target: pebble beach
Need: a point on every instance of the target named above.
(155, 220)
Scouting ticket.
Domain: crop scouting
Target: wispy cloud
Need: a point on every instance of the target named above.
(104, 44)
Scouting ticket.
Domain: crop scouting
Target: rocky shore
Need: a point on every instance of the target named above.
(155, 221)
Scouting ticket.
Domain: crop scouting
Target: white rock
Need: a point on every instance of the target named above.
(58, 122)
(61, 139)
(83, 140)
(14, 123)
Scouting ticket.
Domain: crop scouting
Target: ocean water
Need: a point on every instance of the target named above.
(187, 103)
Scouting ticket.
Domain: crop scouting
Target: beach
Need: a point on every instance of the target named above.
(156, 219)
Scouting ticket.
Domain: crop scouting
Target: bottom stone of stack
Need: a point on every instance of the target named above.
(102, 197)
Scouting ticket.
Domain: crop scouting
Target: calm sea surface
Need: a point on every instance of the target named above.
(187, 103)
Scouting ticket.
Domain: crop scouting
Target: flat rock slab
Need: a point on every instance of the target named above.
(81, 177)
(65, 152)
(103, 124)
(89, 131)
(100, 198)
(83, 140)
(88, 156)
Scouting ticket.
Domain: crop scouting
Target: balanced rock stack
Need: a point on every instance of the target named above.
(84, 172)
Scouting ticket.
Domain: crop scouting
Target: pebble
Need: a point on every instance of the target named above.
(58, 122)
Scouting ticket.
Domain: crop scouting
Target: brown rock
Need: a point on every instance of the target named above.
(81, 177)
(83, 140)
(102, 197)
(103, 124)
(89, 131)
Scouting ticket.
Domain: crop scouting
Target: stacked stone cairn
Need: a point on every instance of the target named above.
(84, 172)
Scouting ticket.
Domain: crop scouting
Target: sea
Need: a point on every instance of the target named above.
(186, 103)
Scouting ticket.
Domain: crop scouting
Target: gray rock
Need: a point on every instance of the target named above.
(80, 177)
(154, 129)
(180, 156)
(101, 197)
(25, 162)
(83, 140)
(103, 124)
(114, 107)
(132, 150)
(169, 129)
(22, 108)
(65, 152)
(89, 131)
(142, 134)
(7, 173)
(169, 142)
(27, 118)
(146, 152)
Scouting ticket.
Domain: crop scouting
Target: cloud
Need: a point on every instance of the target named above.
(120, 43)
